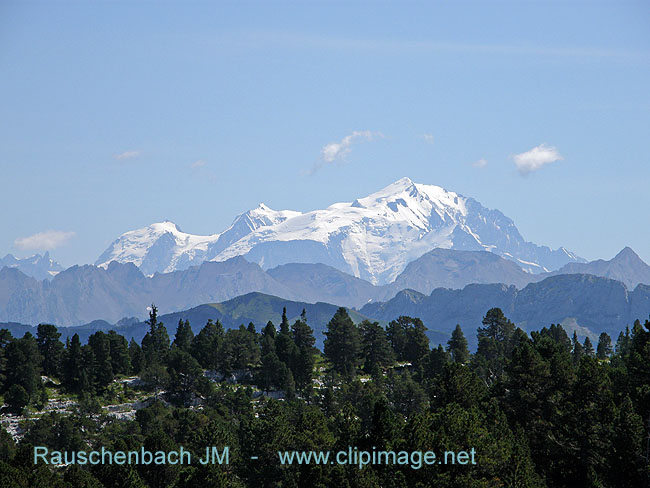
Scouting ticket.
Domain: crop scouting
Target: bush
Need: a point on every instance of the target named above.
(16, 399)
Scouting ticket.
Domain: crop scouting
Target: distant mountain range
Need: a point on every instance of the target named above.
(373, 238)
(257, 308)
(36, 266)
(585, 304)
(82, 294)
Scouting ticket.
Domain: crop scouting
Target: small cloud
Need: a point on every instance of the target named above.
(481, 163)
(533, 160)
(337, 151)
(128, 154)
(428, 138)
(44, 241)
(198, 164)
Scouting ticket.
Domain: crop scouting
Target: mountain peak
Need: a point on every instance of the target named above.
(627, 254)
(373, 237)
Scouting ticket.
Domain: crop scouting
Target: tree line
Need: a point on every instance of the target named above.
(540, 409)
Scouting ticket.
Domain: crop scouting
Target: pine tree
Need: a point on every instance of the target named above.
(51, 348)
(136, 357)
(578, 350)
(343, 344)
(408, 338)
(207, 345)
(120, 357)
(588, 347)
(73, 365)
(23, 365)
(457, 346)
(604, 349)
(302, 363)
(102, 366)
(184, 335)
(285, 348)
(155, 343)
(376, 349)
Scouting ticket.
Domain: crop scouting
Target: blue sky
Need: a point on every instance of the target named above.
(119, 114)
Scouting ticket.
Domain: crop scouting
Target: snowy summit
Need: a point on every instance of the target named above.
(373, 238)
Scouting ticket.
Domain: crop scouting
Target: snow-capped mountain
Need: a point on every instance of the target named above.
(373, 238)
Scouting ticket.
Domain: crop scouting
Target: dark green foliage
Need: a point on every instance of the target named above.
(100, 367)
(408, 338)
(604, 349)
(343, 344)
(23, 365)
(239, 350)
(16, 398)
(207, 344)
(285, 348)
(155, 343)
(538, 411)
(457, 346)
(578, 349)
(51, 348)
(184, 336)
(303, 360)
(377, 351)
(136, 357)
(185, 377)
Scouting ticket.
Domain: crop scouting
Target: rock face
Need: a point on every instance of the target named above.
(594, 303)
(37, 266)
(82, 294)
(373, 238)
(445, 268)
(626, 267)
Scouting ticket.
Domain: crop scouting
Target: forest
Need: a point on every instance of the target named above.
(540, 409)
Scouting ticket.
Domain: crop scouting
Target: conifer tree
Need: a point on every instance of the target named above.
(183, 337)
(207, 345)
(377, 352)
(285, 348)
(457, 346)
(578, 350)
(343, 344)
(302, 363)
(604, 349)
(51, 348)
(155, 343)
(588, 347)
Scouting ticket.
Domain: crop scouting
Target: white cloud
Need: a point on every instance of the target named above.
(428, 138)
(133, 153)
(198, 164)
(44, 241)
(481, 163)
(539, 156)
(337, 151)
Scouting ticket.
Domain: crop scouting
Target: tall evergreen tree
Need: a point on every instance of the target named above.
(136, 357)
(207, 345)
(184, 335)
(578, 350)
(101, 367)
(155, 343)
(457, 346)
(73, 365)
(119, 352)
(343, 344)
(285, 348)
(51, 348)
(604, 349)
(377, 352)
(302, 363)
